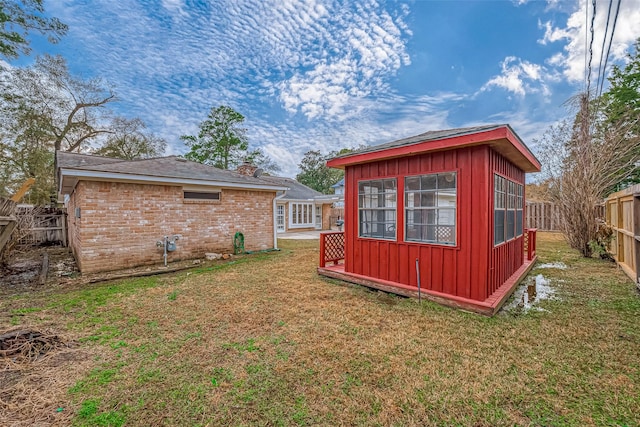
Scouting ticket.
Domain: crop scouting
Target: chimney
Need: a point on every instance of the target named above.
(247, 169)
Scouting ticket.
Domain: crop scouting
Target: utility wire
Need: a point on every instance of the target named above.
(586, 43)
(606, 59)
(593, 18)
(604, 41)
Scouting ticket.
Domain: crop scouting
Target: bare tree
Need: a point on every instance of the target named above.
(130, 140)
(70, 111)
(582, 162)
(43, 108)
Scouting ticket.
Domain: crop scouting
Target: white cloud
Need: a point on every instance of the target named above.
(385, 119)
(571, 62)
(551, 33)
(522, 77)
(519, 77)
(365, 47)
(174, 6)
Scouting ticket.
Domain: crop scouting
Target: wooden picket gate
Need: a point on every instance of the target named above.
(543, 216)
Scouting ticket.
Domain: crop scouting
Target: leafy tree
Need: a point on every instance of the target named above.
(621, 105)
(25, 153)
(17, 19)
(129, 140)
(622, 100)
(314, 172)
(221, 142)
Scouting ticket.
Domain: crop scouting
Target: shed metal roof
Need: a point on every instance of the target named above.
(500, 137)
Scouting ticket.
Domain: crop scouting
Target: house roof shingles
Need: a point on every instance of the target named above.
(162, 168)
(296, 191)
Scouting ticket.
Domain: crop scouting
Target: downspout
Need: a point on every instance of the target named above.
(275, 219)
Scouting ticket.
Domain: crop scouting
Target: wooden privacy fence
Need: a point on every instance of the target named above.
(544, 216)
(41, 225)
(335, 215)
(623, 216)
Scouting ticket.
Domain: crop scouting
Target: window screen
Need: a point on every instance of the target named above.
(377, 208)
(430, 208)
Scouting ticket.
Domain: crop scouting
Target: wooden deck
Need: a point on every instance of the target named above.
(488, 307)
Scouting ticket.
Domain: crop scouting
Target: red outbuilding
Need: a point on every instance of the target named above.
(438, 216)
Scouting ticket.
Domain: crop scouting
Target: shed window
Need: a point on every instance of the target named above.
(201, 195)
(301, 214)
(377, 208)
(507, 209)
(430, 208)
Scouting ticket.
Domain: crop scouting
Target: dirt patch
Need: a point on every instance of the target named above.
(22, 272)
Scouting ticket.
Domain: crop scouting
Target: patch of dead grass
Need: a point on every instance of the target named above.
(267, 341)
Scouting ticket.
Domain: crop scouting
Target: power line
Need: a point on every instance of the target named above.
(586, 42)
(593, 18)
(604, 41)
(613, 30)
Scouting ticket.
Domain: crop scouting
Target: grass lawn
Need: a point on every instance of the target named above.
(263, 340)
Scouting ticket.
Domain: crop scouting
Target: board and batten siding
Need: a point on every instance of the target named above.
(506, 258)
(449, 269)
(473, 268)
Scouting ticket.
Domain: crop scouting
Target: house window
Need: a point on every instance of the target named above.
(301, 214)
(507, 209)
(280, 218)
(201, 195)
(430, 208)
(377, 208)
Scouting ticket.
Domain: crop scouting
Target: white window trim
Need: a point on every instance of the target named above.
(311, 224)
(284, 221)
(453, 208)
(387, 209)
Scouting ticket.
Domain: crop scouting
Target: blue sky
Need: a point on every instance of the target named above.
(331, 74)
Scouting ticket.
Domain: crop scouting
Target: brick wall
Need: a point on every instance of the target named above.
(120, 223)
(72, 225)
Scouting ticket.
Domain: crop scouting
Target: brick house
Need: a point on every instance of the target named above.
(119, 209)
(301, 208)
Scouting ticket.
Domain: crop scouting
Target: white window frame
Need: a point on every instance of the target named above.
(377, 210)
(508, 198)
(444, 212)
(301, 215)
(280, 218)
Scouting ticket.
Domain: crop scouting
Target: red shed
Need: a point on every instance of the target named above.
(437, 215)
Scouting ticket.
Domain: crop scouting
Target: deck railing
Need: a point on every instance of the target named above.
(331, 247)
(530, 243)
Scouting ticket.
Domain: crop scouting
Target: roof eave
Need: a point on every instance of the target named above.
(72, 175)
(526, 161)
